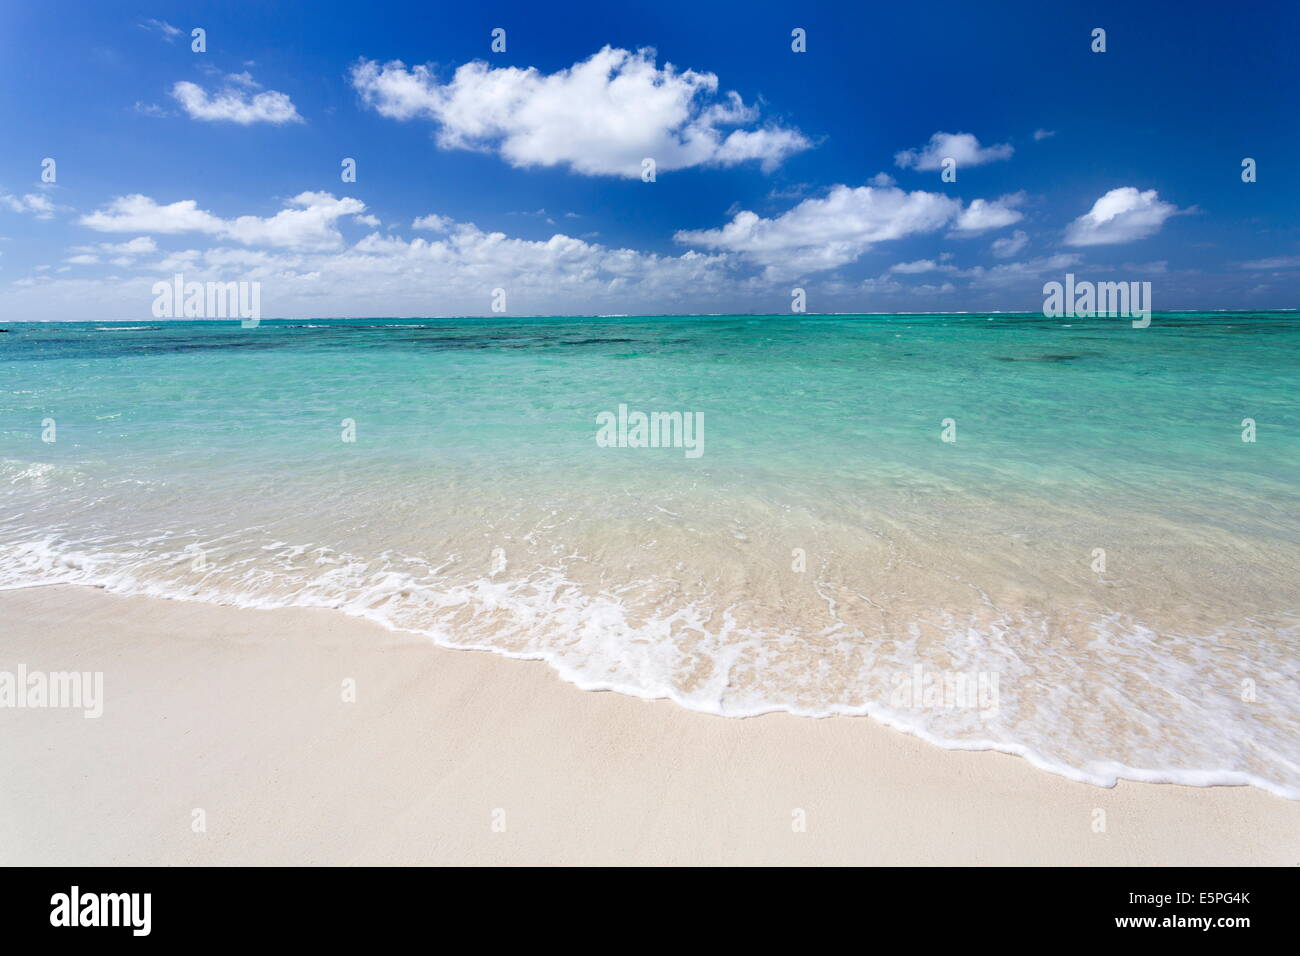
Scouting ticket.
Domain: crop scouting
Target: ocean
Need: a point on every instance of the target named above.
(1067, 539)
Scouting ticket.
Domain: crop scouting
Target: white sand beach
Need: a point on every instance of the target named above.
(461, 757)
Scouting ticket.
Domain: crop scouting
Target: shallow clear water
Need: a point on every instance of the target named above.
(825, 544)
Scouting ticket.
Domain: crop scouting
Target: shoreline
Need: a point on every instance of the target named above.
(460, 757)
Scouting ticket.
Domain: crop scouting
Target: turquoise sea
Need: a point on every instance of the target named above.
(1098, 573)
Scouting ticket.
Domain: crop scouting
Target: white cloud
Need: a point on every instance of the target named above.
(310, 221)
(1274, 263)
(150, 109)
(769, 146)
(233, 104)
(432, 222)
(161, 27)
(1040, 134)
(139, 246)
(820, 234)
(984, 214)
(452, 274)
(1122, 215)
(34, 203)
(1008, 246)
(601, 116)
(1018, 273)
(963, 147)
(880, 285)
(118, 253)
(920, 267)
(137, 213)
(308, 269)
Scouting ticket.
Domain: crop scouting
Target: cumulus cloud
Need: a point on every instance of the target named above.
(1018, 273)
(1122, 215)
(235, 103)
(139, 246)
(432, 222)
(309, 221)
(985, 214)
(1040, 134)
(601, 116)
(820, 234)
(117, 253)
(137, 213)
(920, 267)
(33, 203)
(453, 273)
(1008, 246)
(963, 147)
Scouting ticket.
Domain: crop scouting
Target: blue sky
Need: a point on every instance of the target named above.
(524, 171)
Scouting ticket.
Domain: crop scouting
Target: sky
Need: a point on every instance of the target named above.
(645, 158)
